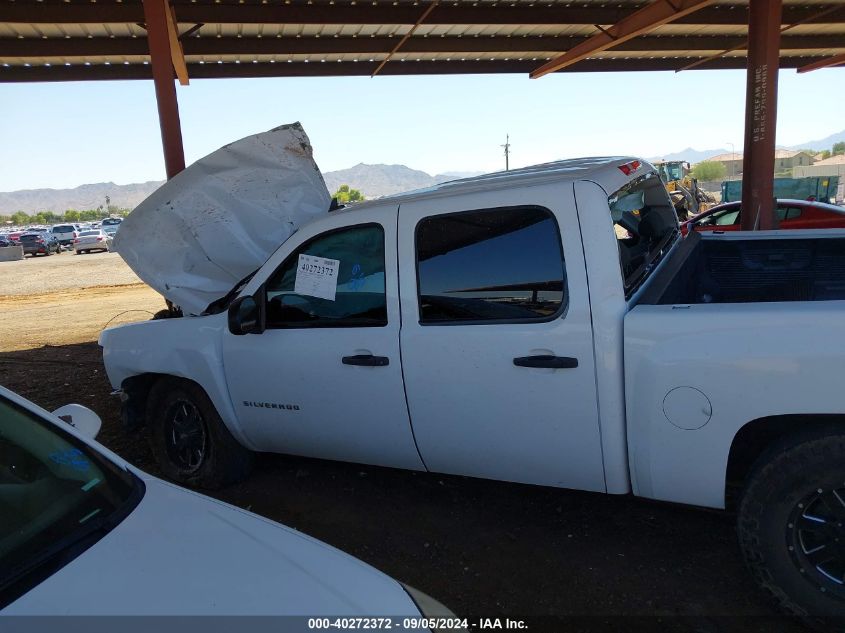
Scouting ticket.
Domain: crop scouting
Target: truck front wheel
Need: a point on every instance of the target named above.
(189, 440)
(792, 525)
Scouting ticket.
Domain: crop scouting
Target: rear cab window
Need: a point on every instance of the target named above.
(646, 226)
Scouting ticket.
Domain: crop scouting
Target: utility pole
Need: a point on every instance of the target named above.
(507, 147)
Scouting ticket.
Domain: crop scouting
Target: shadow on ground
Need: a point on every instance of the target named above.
(484, 548)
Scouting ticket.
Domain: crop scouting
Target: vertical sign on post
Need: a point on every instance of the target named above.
(761, 98)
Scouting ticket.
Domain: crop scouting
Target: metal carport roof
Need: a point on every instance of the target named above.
(96, 39)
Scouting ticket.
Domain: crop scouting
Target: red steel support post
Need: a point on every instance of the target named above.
(165, 87)
(761, 99)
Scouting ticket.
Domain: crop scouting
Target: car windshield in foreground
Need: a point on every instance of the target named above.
(57, 498)
(30, 238)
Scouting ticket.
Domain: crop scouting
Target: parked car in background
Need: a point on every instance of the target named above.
(15, 236)
(5, 241)
(39, 243)
(111, 222)
(791, 214)
(92, 240)
(110, 229)
(74, 514)
(65, 233)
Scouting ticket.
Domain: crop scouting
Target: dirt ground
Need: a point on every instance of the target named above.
(69, 298)
(484, 548)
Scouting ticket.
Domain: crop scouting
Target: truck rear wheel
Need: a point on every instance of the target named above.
(189, 440)
(792, 525)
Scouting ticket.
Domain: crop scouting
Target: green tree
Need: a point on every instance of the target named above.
(709, 170)
(345, 195)
(839, 148)
(825, 154)
(19, 218)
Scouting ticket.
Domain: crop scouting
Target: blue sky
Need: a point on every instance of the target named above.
(66, 134)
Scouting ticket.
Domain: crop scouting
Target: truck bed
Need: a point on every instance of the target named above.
(752, 268)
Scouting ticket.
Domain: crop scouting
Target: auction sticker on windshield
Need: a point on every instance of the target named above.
(317, 277)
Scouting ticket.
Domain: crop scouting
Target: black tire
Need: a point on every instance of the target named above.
(205, 455)
(803, 476)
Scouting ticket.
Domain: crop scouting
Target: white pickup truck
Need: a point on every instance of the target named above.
(547, 325)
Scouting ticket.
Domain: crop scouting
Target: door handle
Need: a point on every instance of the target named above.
(366, 360)
(553, 362)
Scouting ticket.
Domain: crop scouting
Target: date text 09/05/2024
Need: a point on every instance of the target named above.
(417, 624)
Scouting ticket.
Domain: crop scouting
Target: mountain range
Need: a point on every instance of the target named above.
(694, 156)
(372, 180)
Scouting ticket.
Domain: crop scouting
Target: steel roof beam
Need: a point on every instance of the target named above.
(79, 72)
(158, 18)
(644, 20)
(431, 7)
(177, 55)
(115, 47)
(827, 62)
(744, 45)
(404, 13)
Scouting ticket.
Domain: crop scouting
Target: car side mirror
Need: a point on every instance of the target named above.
(246, 316)
(81, 418)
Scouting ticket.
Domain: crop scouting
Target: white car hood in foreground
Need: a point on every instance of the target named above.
(179, 553)
(218, 220)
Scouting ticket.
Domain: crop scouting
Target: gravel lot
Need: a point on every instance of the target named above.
(484, 548)
(66, 271)
(69, 298)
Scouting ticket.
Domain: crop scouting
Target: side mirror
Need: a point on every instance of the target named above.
(81, 418)
(246, 316)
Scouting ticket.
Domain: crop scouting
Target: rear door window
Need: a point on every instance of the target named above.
(489, 266)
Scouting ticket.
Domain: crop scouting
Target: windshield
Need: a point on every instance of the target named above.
(57, 497)
(86, 233)
(645, 224)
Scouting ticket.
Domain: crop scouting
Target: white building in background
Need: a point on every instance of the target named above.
(833, 166)
(785, 160)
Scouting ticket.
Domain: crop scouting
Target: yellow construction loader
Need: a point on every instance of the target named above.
(688, 199)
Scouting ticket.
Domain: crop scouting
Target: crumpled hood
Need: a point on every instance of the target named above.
(218, 220)
(179, 553)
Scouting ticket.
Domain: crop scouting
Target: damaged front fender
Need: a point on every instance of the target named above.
(188, 347)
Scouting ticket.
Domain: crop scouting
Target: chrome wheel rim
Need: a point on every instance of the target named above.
(185, 436)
